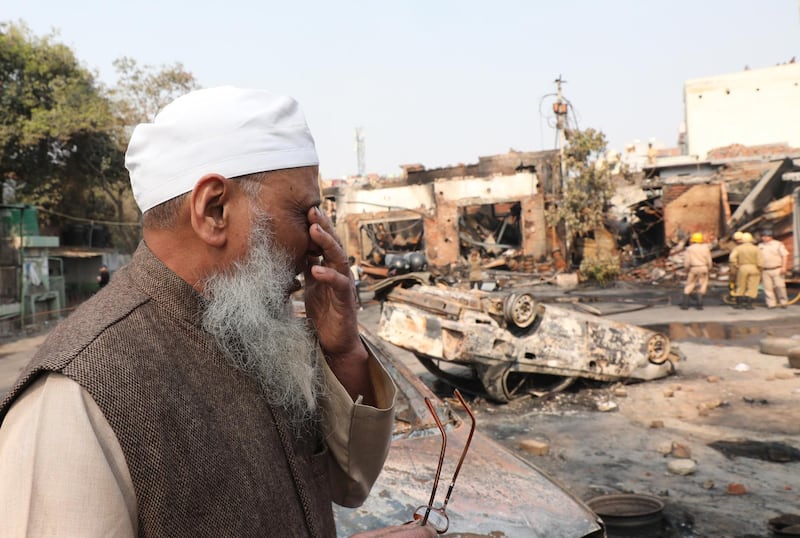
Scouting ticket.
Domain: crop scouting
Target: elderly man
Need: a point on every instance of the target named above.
(776, 264)
(186, 399)
(746, 261)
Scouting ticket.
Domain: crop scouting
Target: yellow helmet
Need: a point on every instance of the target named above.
(747, 237)
(697, 237)
(738, 236)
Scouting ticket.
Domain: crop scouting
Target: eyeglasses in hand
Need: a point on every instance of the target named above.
(437, 517)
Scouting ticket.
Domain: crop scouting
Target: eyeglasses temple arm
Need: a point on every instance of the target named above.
(463, 452)
(441, 460)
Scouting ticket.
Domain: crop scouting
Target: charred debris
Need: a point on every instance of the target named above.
(433, 224)
(471, 270)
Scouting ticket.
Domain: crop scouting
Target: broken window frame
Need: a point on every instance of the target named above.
(370, 233)
(493, 247)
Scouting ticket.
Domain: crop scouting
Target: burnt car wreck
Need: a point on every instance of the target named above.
(498, 493)
(516, 346)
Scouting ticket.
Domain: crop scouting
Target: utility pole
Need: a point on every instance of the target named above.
(560, 108)
(361, 151)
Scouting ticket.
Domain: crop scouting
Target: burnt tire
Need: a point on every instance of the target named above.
(794, 357)
(491, 378)
(502, 384)
(658, 348)
(775, 345)
(519, 310)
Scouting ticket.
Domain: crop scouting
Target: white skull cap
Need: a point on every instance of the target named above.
(226, 130)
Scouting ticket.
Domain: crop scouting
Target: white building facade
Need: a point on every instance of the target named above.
(751, 107)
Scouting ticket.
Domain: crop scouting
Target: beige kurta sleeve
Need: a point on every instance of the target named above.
(358, 436)
(62, 471)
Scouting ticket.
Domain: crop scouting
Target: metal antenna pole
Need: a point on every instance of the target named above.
(361, 151)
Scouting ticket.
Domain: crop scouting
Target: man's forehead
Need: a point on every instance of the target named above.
(300, 172)
(298, 182)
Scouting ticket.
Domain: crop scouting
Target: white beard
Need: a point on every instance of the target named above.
(250, 315)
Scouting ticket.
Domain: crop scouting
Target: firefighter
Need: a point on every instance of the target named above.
(697, 259)
(737, 237)
(776, 259)
(746, 259)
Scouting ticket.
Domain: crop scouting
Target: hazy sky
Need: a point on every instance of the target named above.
(439, 82)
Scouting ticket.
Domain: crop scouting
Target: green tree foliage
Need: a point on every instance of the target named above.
(588, 185)
(587, 189)
(49, 107)
(142, 91)
(602, 268)
(63, 134)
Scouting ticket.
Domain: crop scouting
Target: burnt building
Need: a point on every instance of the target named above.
(495, 205)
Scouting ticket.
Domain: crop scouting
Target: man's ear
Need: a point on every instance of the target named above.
(209, 210)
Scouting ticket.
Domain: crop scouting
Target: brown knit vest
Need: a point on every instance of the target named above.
(207, 455)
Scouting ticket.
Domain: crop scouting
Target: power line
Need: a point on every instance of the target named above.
(91, 221)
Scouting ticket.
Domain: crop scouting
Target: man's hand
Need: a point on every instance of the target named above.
(330, 298)
(329, 290)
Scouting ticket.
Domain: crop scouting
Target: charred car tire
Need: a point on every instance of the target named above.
(493, 379)
(775, 345)
(658, 348)
(794, 357)
(519, 309)
(503, 384)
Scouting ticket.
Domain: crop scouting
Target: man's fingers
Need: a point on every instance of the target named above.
(333, 276)
(316, 216)
(332, 251)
